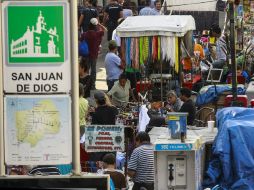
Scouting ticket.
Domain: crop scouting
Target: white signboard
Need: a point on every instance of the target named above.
(36, 47)
(104, 138)
(37, 129)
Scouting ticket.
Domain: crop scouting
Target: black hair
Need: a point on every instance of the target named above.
(81, 90)
(126, 5)
(101, 102)
(157, 1)
(185, 92)
(142, 137)
(84, 63)
(93, 2)
(109, 158)
(147, 2)
(112, 45)
(123, 76)
(215, 28)
(239, 67)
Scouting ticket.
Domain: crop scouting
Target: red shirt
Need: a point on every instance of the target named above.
(93, 39)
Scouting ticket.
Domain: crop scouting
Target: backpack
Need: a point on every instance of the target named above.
(83, 49)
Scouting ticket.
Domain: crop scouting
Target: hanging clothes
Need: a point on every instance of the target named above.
(176, 55)
(127, 51)
(137, 51)
(145, 49)
(159, 48)
(172, 56)
(136, 57)
(123, 48)
(141, 50)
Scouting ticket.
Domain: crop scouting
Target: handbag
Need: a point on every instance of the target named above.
(83, 48)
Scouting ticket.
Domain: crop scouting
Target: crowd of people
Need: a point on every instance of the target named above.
(121, 84)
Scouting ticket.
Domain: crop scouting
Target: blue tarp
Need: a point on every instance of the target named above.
(232, 163)
(209, 94)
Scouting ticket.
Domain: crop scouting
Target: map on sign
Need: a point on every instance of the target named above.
(33, 124)
(36, 128)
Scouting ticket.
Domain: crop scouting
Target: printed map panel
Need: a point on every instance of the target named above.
(37, 130)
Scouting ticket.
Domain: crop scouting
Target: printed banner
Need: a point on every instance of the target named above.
(104, 138)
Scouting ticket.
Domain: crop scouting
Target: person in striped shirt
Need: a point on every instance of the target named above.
(141, 163)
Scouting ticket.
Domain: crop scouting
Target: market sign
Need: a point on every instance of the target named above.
(36, 53)
(104, 138)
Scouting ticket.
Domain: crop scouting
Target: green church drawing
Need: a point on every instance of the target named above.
(36, 33)
(37, 41)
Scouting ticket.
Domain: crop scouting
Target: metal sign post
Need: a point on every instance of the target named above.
(75, 90)
(232, 51)
(40, 83)
(2, 166)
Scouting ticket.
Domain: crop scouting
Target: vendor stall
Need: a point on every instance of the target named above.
(151, 45)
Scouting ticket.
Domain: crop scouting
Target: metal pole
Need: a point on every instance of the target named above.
(161, 82)
(75, 89)
(232, 49)
(2, 165)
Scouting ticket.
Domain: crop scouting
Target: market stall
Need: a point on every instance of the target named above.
(151, 45)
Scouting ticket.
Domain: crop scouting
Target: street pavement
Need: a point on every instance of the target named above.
(100, 67)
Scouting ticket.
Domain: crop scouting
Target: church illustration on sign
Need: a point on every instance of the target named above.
(36, 42)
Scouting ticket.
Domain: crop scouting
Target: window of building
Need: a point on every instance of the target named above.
(38, 40)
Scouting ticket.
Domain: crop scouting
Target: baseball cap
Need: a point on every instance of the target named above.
(94, 21)
(99, 95)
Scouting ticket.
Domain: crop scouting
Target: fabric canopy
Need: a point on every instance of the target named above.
(161, 25)
(190, 5)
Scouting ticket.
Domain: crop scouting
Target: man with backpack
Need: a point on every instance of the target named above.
(93, 38)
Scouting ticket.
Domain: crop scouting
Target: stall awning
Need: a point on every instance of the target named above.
(163, 25)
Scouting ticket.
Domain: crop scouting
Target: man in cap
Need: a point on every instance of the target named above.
(113, 64)
(93, 38)
(104, 114)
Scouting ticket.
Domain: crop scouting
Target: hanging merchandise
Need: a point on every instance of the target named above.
(150, 49)
(167, 49)
(135, 61)
(127, 51)
(176, 56)
(141, 39)
(154, 48)
(159, 48)
(145, 49)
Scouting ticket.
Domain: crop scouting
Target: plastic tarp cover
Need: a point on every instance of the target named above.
(232, 163)
(209, 93)
(159, 25)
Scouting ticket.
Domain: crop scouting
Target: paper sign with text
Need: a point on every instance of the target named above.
(104, 138)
